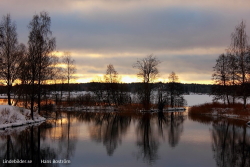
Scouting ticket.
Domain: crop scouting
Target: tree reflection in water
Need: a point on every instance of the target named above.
(230, 141)
(231, 145)
(57, 138)
(108, 128)
(175, 128)
(148, 140)
(66, 136)
(51, 140)
(26, 146)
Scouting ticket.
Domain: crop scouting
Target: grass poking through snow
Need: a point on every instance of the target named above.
(223, 110)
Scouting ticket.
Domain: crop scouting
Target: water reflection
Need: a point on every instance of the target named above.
(108, 128)
(57, 138)
(230, 141)
(63, 135)
(147, 141)
(149, 135)
(175, 129)
(231, 145)
(52, 140)
(26, 146)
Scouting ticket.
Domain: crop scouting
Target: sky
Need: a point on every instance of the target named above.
(186, 36)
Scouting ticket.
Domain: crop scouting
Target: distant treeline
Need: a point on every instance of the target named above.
(130, 87)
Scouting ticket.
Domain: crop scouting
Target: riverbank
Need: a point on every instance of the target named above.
(215, 109)
(13, 116)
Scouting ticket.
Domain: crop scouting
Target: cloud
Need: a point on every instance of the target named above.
(139, 30)
(98, 25)
(186, 36)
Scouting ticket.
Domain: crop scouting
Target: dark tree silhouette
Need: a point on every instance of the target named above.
(240, 49)
(41, 44)
(231, 144)
(111, 75)
(70, 68)
(110, 128)
(221, 79)
(148, 72)
(147, 142)
(111, 84)
(231, 72)
(10, 54)
(175, 91)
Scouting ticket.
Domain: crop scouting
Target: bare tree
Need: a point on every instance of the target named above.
(59, 78)
(175, 90)
(147, 67)
(111, 74)
(173, 77)
(69, 69)
(162, 97)
(41, 44)
(111, 84)
(10, 54)
(49, 74)
(98, 88)
(24, 90)
(233, 77)
(240, 48)
(115, 91)
(148, 72)
(232, 71)
(221, 78)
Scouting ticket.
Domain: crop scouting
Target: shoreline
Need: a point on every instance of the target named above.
(13, 116)
(221, 111)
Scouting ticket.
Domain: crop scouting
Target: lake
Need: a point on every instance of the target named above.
(87, 139)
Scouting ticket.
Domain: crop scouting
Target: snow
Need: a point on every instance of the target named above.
(12, 116)
(226, 112)
(176, 109)
(88, 108)
(17, 130)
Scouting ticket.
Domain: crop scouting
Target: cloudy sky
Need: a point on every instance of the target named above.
(186, 37)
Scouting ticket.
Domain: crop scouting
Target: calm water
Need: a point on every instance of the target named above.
(109, 139)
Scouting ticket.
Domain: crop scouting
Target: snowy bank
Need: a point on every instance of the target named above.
(220, 110)
(176, 109)
(227, 113)
(17, 130)
(12, 116)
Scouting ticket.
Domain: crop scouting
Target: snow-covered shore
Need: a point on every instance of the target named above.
(12, 116)
(227, 113)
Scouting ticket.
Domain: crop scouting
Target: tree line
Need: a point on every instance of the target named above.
(33, 64)
(232, 70)
(109, 90)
